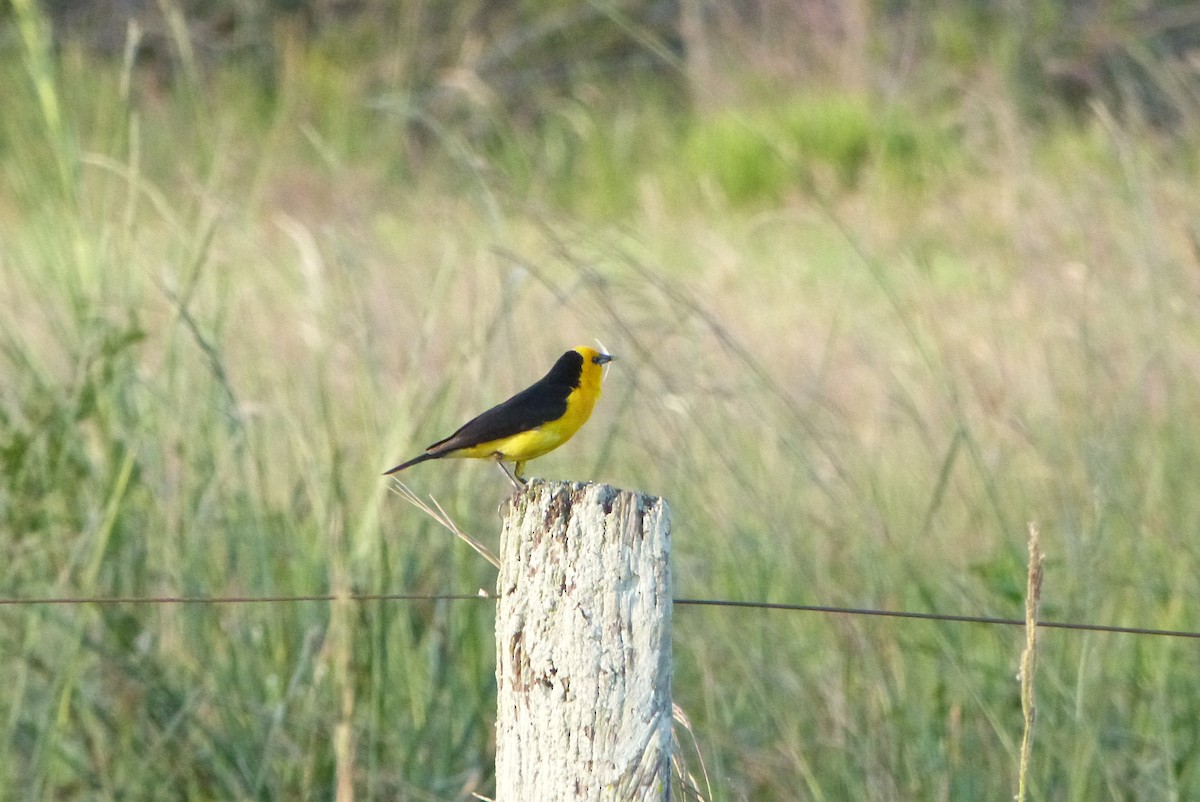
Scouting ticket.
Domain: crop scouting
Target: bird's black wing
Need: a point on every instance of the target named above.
(535, 405)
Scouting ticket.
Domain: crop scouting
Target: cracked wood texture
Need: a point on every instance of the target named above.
(583, 646)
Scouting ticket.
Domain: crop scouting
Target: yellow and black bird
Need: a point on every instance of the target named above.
(533, 422)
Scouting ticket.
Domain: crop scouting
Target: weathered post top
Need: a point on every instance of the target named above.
(583, 646)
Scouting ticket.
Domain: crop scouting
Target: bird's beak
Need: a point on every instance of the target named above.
(604, 359)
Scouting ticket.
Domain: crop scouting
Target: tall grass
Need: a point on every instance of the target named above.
(227, 311)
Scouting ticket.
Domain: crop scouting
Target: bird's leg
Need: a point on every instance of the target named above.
(516, 480)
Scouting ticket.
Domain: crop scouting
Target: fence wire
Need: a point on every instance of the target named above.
(684, 602)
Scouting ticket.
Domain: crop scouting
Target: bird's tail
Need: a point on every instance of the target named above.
(409, 464)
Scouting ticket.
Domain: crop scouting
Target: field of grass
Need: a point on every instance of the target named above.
(862, 346)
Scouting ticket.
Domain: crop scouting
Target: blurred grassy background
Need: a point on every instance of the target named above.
(888, 281)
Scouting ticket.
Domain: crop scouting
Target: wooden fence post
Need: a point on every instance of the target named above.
(583, 646)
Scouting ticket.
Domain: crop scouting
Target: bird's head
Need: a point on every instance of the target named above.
(591, 372)
(593, 357)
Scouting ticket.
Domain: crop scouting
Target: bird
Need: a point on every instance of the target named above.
(533, 422)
